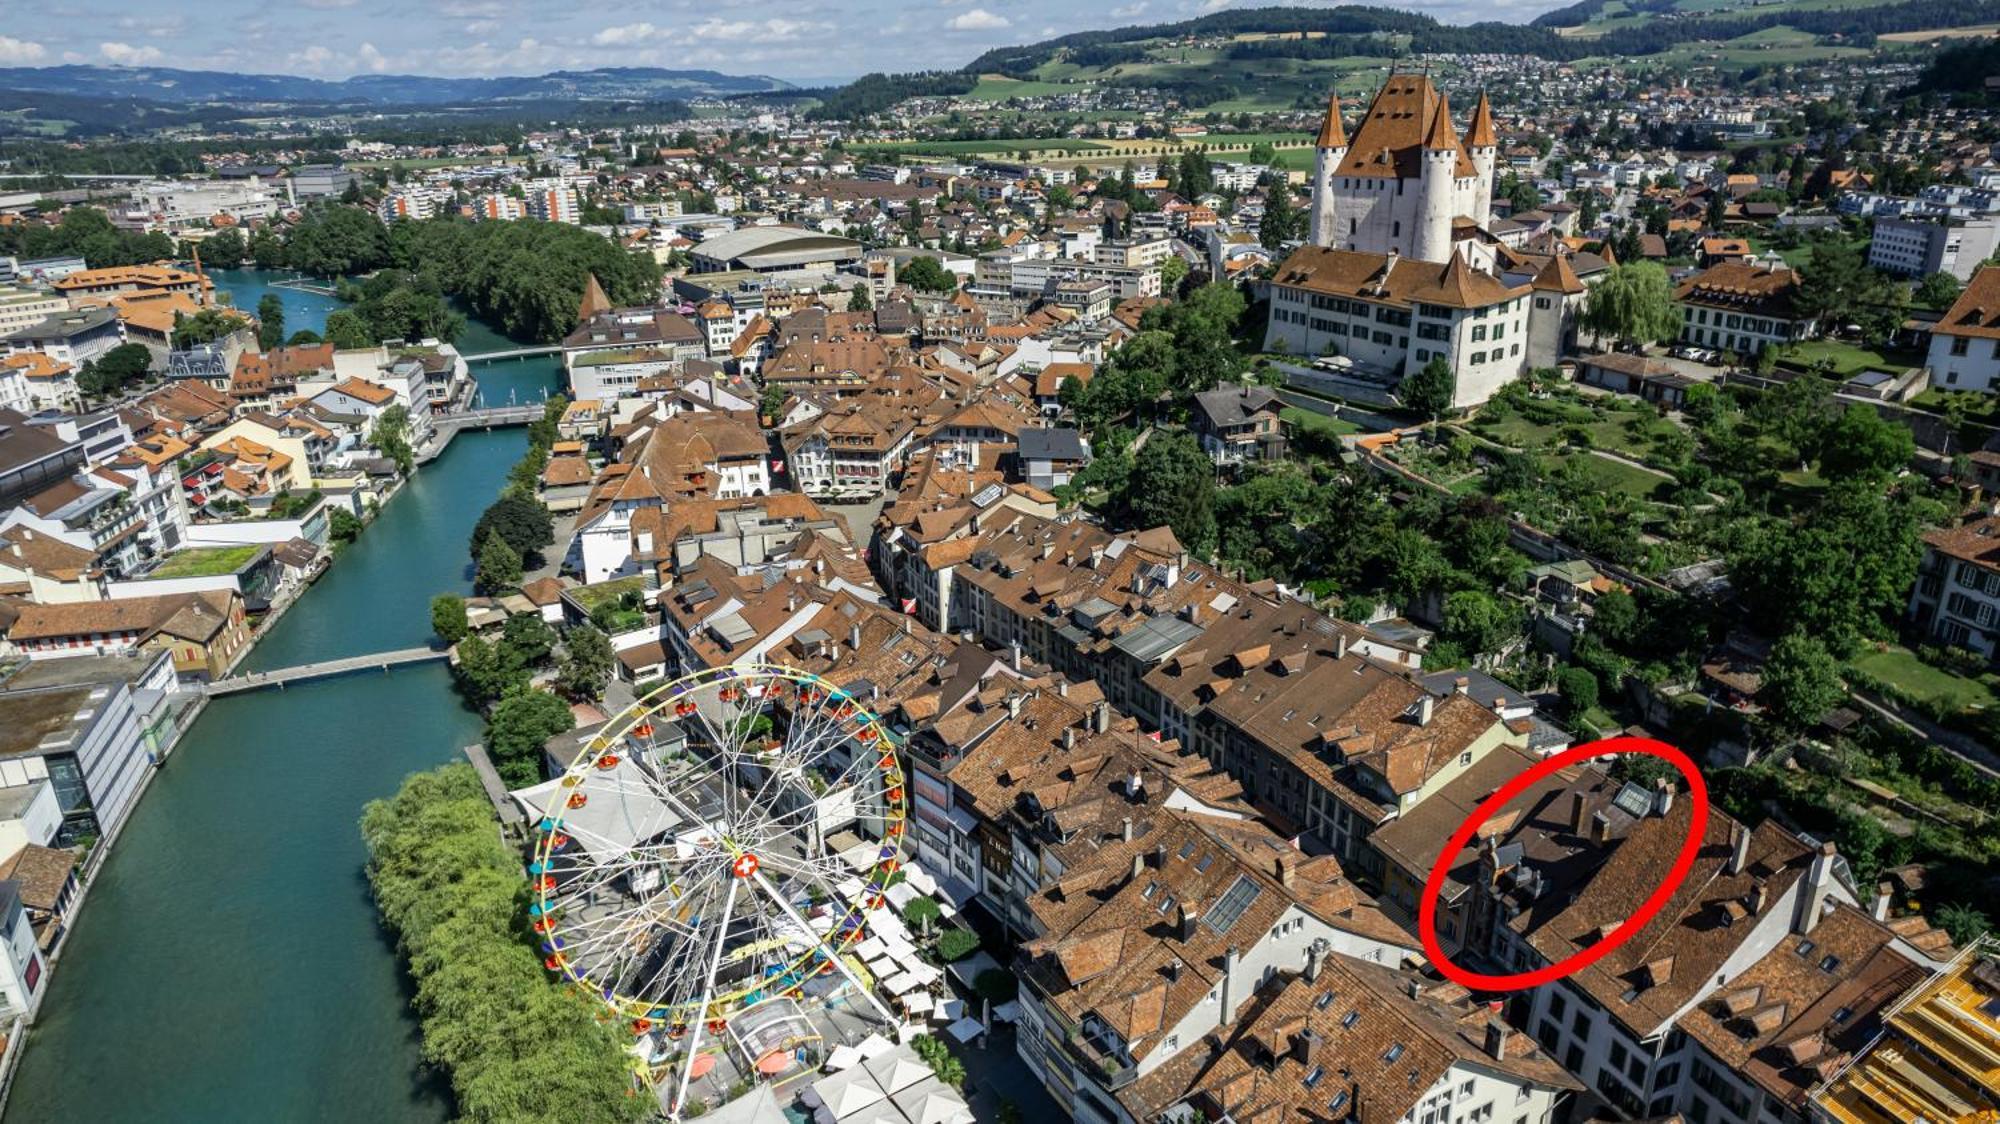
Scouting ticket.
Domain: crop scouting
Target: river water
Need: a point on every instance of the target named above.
(227, 964)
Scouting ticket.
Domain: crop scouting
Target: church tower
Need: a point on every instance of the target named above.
(1328, 152)
(1483, 147)
(1438, 187)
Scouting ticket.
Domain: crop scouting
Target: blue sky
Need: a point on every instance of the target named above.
(800, 40)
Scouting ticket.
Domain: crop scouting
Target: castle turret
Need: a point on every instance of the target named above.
(1482, 145)
(1328, 152)
(1438, 188)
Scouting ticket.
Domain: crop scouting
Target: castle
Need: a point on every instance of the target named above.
(1406, 177)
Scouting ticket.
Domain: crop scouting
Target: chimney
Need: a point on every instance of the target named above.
(1138, 857)
(1461, 686)
(1015, 657)
(1062, 688)
(1125, 833)
(791, 602)
(1305, 1044)
(1424, 707)
(1229, 996)
(1416, 988)
(1576, 803)
(1285, 871)
(854, 636)
(1340, 647)
(1819, 881)
(1188, 918)
(1100, 718)
(1496, 1040)
(1135, 785)
(1663, 796)
(1316, 958)
(906, 624)
(1739, 848)
(1500, 704)
(1884, 892)
(1013, 705)
(1600, 828)
(1760, 896)
(1069, 738)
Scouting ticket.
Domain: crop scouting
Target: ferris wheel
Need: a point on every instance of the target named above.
(716, 846)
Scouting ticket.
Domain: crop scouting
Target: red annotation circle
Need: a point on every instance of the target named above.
(1684, 862)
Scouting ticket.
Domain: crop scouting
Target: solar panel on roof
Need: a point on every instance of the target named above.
(1228, 909)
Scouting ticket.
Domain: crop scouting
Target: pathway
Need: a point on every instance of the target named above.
(325, 669)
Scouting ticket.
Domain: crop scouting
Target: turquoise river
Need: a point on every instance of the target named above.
(227, 964)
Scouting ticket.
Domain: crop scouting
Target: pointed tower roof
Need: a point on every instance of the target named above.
(1480, 133)
(1389, 138)
(1605, 253)
(1558, 276)
(594, 300)
(1442, 138)
(1333, 134)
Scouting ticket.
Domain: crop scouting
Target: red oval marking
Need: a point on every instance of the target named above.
(1683, 863)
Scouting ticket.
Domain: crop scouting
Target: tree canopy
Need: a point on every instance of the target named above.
(1634, 303)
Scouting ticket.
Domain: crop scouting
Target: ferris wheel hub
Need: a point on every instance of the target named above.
(745, 865)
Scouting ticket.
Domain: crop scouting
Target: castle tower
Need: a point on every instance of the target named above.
(1482, 145)
(1328, 152)
(1438, 187)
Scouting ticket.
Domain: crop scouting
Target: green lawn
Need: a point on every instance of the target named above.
(1901, 668)
(1606, 432)
(591, 596)
(995, 146)
(1978, 407)
(1849, 358)
(1618, 476)
(205, 561)
(999, 87)
(1319, 423)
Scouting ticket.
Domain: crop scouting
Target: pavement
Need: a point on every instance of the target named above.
(861, 516)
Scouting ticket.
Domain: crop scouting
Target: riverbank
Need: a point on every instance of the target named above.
(234, 937)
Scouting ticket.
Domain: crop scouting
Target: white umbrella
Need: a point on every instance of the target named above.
(874, 1045)
(932, 1102)
(898, 984)
(918, 1002)
(925, 973)
(917, 876)
(898, 1070)
(847, 1092)
(842, 1057)
(869, 949)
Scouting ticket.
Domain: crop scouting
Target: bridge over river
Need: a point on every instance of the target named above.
(325, 669)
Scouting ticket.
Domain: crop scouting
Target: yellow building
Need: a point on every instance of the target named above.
(1938, 1057)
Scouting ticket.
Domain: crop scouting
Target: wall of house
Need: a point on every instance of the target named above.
(1964, 363)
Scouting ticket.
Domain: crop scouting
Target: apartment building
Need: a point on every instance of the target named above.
(1921, 247)
(1956, 599)
(1744, 308)
(1965, 342)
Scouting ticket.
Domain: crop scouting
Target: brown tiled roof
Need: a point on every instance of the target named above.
(1976, 312)
(1977, 542)
(1557, 277)
(22, 548)
(1392, 280)
(1741, 287)
(192, 616)
(1407, 116)
(1479, 134)
(1332, 133)
(41, 873)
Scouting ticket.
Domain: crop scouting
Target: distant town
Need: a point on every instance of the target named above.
(986, 594)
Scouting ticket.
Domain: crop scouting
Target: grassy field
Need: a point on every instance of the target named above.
(1849, 358)
(1900, 667)
(999, 87)
(591, 596)
(1617, 476)
(1317, 422)
(205, 562)
(995, 146)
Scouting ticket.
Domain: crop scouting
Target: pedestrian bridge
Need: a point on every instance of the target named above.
(514, 353)
(324, 669)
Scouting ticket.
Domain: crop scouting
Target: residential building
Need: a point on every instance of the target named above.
(1965, 342)
(1744, 308)
(70, 338)
(201, 632)
(90, 728)
(1388, 316)
(1919, 247)
(1936, 1056)
(25, 308)
(1050, 457)
(33, 457)
(1956, 599)
(1237, 424)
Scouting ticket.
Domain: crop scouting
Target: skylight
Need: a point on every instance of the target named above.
(1228, 909)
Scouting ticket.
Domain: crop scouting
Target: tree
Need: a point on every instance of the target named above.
(1801, 683)
(1428, 392)
(499, 567)
(347, 331)
(858, 299)
(390, 436)
(1837, 572)
(343, 526)
(955, 944)
(1965, 923)
(1283, 221)
(1835, 282)
(1173, 483)
(270, 321)
(523, 522)
(926, 275)
(1634, 303)
(337, 241)
(481, 674)
(922, 913)
(521, 725)
(448, 618)
(1937, 291)
(527, 641)
(1861, 442)
(586, 664)
(110, 373)
(223, 249)
(205, 326)
(1478, 622)
(1578, 687)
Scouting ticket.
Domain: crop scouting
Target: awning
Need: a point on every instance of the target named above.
(965, 1030)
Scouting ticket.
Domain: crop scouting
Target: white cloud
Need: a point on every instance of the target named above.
(371, 59)
(125, 54)
(1130, 10)
(767, 31)
(625, 34)
(314, 58)
(978, 19)
(327, 5)
(20, 52)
